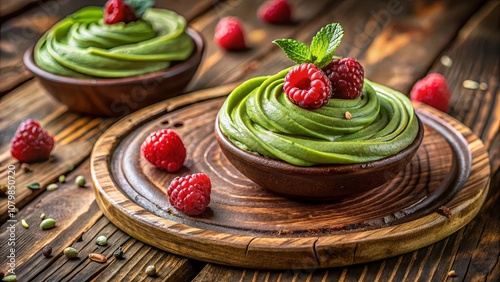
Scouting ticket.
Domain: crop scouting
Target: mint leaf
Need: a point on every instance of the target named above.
(324, 44)
(294, 50)
(140, 6)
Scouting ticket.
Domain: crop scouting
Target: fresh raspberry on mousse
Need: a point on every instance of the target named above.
(307, 86)
(346, 76)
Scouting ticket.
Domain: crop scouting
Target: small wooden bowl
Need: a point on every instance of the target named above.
(316, 183)
(119, 96)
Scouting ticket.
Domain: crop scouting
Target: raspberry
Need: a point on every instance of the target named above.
(190, 194)
(164, 149)
(346, 76)
(433, 91)
(31, 143)
(275, 12)
(307, 86)
(229, 34)
(116, 11)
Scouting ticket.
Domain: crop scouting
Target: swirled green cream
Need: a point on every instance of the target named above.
(258, 117)
(82, 45)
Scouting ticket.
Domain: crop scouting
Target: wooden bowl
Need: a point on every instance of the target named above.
(316, 183)
(119, 96)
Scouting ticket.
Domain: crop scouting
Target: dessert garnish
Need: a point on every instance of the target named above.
(31, 142)
(164, 149)
(229, 34)
(433, 91)
(275, 12)
(261, 115)
(307, 86)
(346, 76)
(190, 194)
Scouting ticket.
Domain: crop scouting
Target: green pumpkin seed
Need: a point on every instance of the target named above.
(80, 180)
(10, 278)
(52, 186)
(34, 186)
(48, 223)
(70, 252)
(24, 223)
(62, 178)
(102, 240)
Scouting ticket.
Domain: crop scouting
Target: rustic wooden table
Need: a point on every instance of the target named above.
(397, 41)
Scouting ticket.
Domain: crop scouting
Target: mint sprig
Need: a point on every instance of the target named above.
(322, 49)
(140, 6)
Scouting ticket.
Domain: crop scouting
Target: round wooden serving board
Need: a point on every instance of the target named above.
(247, 226)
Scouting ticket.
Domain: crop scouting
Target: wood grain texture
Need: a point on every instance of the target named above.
(263, 230)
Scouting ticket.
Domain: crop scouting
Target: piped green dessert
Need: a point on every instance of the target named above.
(112, 43)
(321, 111)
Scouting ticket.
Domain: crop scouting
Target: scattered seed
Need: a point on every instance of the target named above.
(118, 254)
(348, 115)
(452, 273)
(70, 252)
(3, 189)
(151, 270)
(446, 61)
(24, 223)
(47, 223)
(102, 240)
(26, 167)
(70, 167)
(80, 181)
(97, 257)
(34, 186)
(470, 84)
(52, 187)
(483, 86)
(10, 278)
(444, 210)
(42, 216)
(47, 251)
(62, 178)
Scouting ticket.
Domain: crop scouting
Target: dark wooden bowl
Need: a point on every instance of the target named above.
(316, 183)
(119, 96)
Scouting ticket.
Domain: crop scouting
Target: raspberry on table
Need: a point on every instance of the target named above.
(190, 194)
(433, 91)
(347, 77)
(275, 12)
(229, 34)
(307, 86)
(164, 149)
(31, 143)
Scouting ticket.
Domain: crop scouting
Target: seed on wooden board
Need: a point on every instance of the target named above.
(52, 186)
(47, 251)
(34, 186)
(42, 216)
(97, 257)
(9, 278)
(470, 84)
(118, 254)
(62, 178)
(80, 181)
(3, 189)
(446, 61)
(47, 223)
(452, 273)
(483, 86)
(102, 240)
(26, 167)
(70, 252)
(24, 223)
(151, 270)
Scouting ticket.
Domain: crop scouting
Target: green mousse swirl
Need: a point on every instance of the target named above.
(258, 117)
(82, 45)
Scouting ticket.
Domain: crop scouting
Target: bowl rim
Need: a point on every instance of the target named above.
(282, 166)
(177, 69)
